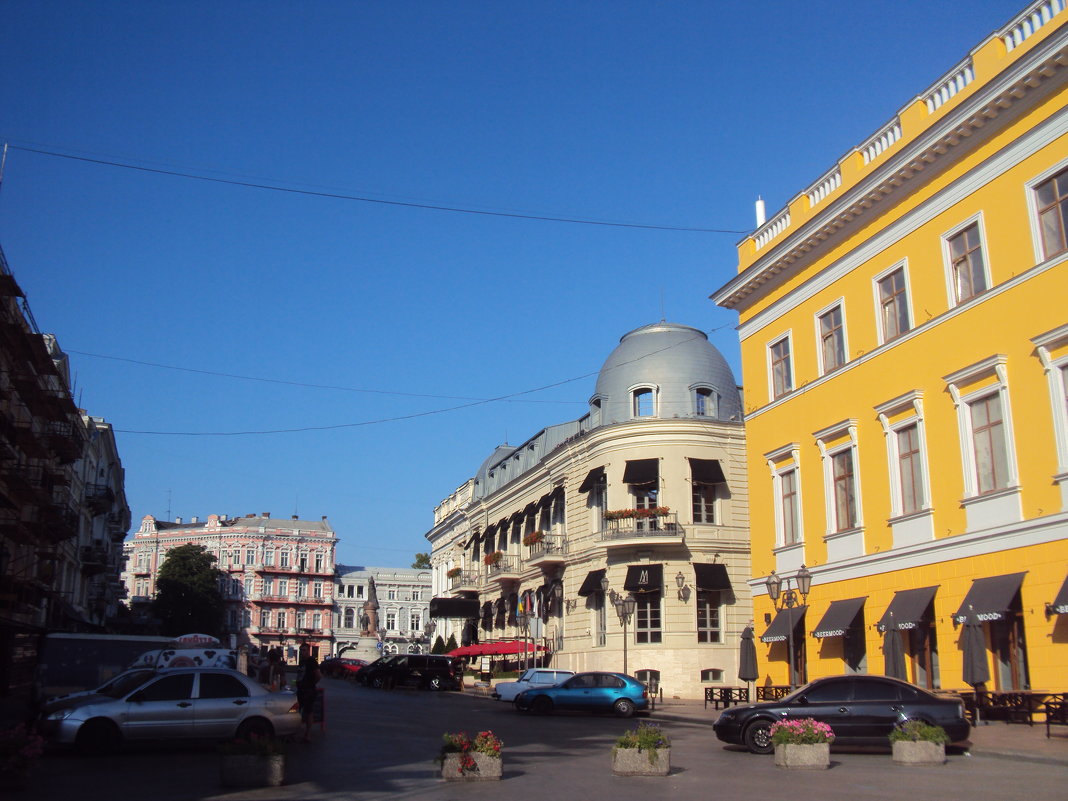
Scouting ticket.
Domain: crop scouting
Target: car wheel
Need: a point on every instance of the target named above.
(541, 705)
(377, 682)
(435, 683)
(255, 729)
(97, 738)
(623, 708)
(758, 737)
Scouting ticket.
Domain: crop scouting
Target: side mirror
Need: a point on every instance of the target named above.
(803, 700)
(136, 698)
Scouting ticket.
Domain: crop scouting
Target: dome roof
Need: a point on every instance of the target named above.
(676, 362)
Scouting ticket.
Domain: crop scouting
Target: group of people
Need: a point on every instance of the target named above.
(272, 672)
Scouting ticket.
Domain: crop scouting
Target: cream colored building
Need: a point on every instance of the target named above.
(647, 490)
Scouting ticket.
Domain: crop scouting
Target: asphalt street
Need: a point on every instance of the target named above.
(380, 744)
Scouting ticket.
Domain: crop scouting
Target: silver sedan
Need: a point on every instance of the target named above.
(182, 704)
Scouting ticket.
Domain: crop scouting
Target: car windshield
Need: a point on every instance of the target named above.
(530, 674)
(123, 684)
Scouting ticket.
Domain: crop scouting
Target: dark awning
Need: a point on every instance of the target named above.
(641, 471)
(781, 626)
(454, 607)
(908, 608)
(644, 578)
(1060, 603)
(711, 577)
(990, 598)
(592, 478)
(839, 617)
(707, 471)
(592, 583)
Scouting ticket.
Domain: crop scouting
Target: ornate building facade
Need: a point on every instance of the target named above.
(381, 610)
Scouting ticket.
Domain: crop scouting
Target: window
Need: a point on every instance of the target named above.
(359, 591)
(705, 402)
(317, 589)
(782, 377)
(844, 491)
(988, 444)
(169, 688)
(893, 304)
(415, 622)
(910, 468)
(704, 503)
(788, 504)
(1051, 197)
(350, 617)
(318, 563)
(268, 558)
(250, 556)
(600, 619)
(283, 586)
(265, 620)
(902, 420)
(391, 621)
(643, 403)
(708, 625)
(281, 619)
(268, 586)
(302, 588)
(391, 594)
(832, 339)
(711, 674)
(302, 619)
(784, 464)
(302, 564)
(967, 266)
(647, 618)
(283, 559)
(317, 620)
(220, 685)
(249, 583)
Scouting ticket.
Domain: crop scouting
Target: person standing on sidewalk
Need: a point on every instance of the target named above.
(307, 689)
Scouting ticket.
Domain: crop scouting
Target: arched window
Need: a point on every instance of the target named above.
(350, 617)
(705, 402)
(644, 404)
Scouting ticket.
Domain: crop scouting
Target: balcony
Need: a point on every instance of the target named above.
(465, 581)
(550, 550)
(652, 530)
(310, 599)
(99, 498)
(94, 559)
(507, 567)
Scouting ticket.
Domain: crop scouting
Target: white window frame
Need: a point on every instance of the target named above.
(1054, 367)
(780, 462)
(947, 259)
(654, 393)
(838, 304)
(788, 337)
(893, 408)
(846, 429)
(1031, 188)
(712, 400)
(880, 325)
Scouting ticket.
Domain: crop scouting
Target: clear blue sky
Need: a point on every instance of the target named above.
(344, 312)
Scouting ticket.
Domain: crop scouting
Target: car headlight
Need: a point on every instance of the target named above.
(59, 714)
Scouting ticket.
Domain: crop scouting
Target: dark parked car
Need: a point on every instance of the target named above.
(340, 667)
(424, 671)
(588, 692)
(862, 710)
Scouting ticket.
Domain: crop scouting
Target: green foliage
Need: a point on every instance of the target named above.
(647, 737)
(451, 644)
(422, 561)
(917, 731)
(439, 646)
(187, 592)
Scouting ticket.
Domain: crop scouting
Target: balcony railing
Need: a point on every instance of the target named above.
(550, 547)
(466, 579)
(507, 565)
(657, 527)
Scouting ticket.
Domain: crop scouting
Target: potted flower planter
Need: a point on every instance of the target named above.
(641, 762)
(486, 768)
(253, 770)
(918, 752)
(810, 756)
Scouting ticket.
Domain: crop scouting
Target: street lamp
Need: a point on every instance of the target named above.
(523, 619)
(788, 599)
(624, 609)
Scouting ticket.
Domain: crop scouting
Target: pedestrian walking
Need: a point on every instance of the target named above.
(307, 689)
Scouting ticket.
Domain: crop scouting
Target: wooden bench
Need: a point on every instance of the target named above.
(1056, 709)
(723, 697)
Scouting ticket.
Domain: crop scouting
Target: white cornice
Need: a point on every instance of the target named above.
(1005, 91)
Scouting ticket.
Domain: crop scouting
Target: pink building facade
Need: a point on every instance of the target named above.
(278, 575)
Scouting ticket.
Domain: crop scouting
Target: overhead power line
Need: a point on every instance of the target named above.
(277, 187)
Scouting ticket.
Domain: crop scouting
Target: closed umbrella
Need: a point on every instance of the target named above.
(747, 664)
(973, 644)
(893, 652)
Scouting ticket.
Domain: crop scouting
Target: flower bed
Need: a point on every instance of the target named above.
(632, 514)
(465, 759)
(644, 751)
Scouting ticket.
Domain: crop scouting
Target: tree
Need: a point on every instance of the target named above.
(422, 561)
(439, 646)
(187, 593)
(451, 644)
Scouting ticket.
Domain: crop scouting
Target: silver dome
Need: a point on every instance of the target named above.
(675, 361)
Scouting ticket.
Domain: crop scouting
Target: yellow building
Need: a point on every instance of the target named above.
(904, 339)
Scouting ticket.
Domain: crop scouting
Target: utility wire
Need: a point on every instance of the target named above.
(274, 187)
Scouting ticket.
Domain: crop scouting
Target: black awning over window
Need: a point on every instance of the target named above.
(592, 478)
(908, 609)
(454, 607)
(707, 471)
(780, 627)
(642, 471)
(711, 577)
(644, 578)
(592, 583)
(1060, 603)
(839, 617)
(990, 598)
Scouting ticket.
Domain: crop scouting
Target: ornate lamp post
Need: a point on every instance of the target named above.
(788, 599)
(523, 621)
(624, 609)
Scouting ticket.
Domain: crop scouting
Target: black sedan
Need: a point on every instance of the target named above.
(861, 710)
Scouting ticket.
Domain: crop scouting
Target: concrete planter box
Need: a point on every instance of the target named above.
(814, 756)
(632, 762)
(251, 770)
(487, 768)
(918, 752)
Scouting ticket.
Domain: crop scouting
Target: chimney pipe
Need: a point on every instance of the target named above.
(761, 214)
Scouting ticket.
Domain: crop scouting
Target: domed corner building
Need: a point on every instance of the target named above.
(642, 498)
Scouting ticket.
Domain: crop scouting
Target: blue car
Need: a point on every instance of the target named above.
(588, 692)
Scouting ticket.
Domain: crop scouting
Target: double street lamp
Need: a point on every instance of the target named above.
(786, 600)
(624, 609)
